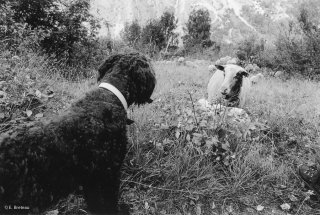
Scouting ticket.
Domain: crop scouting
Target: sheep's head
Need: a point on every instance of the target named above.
(233, 76)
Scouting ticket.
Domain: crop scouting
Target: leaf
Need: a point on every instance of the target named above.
(190, 120)
(230, 209)
(260, 208)
(209, 144)
(203, 123)
(285, 207)
(196, 141)
(146, 205)
(226, 161)
(177, 134)
(163, 126)
(188, 137)
(293, 198)
(225, 146)
(2, 115)
(198, 209)
(39, 115)
(29, 113)
(189, 127)
(197, 135)
(213, 205)
(38, 94)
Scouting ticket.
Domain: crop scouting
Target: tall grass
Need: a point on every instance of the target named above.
(162, 175)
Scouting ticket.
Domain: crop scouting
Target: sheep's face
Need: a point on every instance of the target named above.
(232, 82)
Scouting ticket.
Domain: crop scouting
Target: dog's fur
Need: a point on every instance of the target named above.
(83, 148)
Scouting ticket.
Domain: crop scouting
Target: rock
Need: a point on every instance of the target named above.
(181, 60)
(223, 61)
(232, 61)
(252, 68)
(278, 74)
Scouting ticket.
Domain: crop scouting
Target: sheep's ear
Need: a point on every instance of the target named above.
(244, 73)
(220, 67)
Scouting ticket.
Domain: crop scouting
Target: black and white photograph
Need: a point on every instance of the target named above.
(159, 107)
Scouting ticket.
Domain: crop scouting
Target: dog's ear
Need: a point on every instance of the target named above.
(129, 121)
(142, 79)
(107, 66)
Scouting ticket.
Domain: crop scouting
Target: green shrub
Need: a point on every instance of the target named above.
(197, 37)
(250, 49)
(64, 29)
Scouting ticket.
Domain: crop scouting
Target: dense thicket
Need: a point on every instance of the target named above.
(64, 29)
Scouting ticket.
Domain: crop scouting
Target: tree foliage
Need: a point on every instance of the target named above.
(156, 35)
(299, 46)
(61, 28)
(198, 27)
(153, 34)
(250, 48)
(132, 33)
(76, 30)
(34, 12)
(168, 23)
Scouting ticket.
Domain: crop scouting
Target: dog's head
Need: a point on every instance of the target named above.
(132, 74)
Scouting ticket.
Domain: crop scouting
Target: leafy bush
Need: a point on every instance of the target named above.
(250, 49)
(64, 29)
(16, 37)
(131, 33)
(197, 38)
(168, 24)
(299, 46)
(156, 35)
(71, 39)
(153, 37)
(198, 29)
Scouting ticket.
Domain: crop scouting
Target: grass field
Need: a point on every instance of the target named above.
(176, 166)
(165, 174)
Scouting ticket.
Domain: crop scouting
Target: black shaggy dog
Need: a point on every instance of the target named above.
(83, 148)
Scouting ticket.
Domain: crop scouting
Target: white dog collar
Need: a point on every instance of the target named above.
(116, 92)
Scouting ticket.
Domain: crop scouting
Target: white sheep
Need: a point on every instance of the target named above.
(229, 83)
(256, 78)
